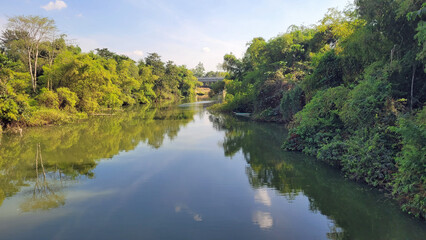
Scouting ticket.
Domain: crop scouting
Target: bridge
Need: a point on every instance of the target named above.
(208, 81)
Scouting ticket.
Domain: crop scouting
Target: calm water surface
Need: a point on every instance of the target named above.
(181, 173)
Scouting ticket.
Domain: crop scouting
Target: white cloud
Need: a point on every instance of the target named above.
(80, 15)
(57, 5)
(206, 49)
(135, 55)
(138, 53)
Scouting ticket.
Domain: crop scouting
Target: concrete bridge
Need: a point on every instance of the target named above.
(208, 81)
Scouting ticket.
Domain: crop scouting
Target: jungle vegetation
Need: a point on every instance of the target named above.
(46, 80)
(351, 90)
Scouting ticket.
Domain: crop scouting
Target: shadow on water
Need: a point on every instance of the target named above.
(45, 160)
(357, 211)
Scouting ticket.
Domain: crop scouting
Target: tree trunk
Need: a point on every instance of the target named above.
(31, 68)
(35, 69)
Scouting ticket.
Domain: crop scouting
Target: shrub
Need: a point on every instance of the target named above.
(319, 122)
(48, 99)
(46, 116)
(88, 105)
(67, 99)
(292, 102)
(8, 110)
(366, 103)
(265, 91)
(332, 152)
(409, 184)
(218, 87)
(370, 156)
(327, 74)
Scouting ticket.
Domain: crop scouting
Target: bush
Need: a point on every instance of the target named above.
(292, 102)
(48, 116)
(218, 87)
(409, 184)
(112, 100)
(48, 99)
(52, 116)
(332, 152)
(141, 97)
(370, 156)
(8, 110)
(327, 74)
(268, 95)
(319, 122)
(366, 104)
(88, 105)
(67, 99)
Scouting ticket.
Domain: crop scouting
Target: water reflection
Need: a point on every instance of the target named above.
(262, 196)
(181, 208)
(355, 211)
(263, 219)
(49, 158)
(169, 179)
(46, 193)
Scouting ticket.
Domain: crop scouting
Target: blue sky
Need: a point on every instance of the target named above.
(186, 32)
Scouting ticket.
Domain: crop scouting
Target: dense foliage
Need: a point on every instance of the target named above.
(351, 89)
(44, 80)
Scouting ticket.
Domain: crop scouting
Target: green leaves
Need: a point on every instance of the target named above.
(410, 180)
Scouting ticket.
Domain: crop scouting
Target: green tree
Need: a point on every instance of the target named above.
(30, 32)
(199, 70)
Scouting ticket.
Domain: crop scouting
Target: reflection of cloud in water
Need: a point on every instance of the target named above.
(198, 218)
(182, 208)
(85, 195)
(262, 196)
(263, 219)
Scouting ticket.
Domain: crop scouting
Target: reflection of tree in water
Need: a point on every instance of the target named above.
(259, 146)
(357, 212)
(71, 152)
(44, 196)
(336, 233)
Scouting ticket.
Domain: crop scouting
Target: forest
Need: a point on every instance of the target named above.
(45, 79)
(351, 89)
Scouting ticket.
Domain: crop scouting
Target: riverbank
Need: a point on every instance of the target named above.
(39, 117)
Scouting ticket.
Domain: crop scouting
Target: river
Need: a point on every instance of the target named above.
(179, 172)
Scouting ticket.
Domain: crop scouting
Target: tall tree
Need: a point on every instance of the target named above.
(30, 32)
(199, 70)
(154, 60)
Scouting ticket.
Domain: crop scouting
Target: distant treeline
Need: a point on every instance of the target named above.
(352, 90)
(199, 71)
(45, 80)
